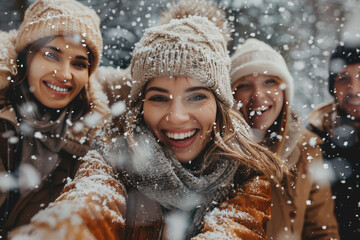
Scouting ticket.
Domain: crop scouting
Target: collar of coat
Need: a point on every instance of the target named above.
(292, 138)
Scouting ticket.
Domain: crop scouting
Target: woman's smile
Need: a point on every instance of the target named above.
(181, 138)
(58, 90)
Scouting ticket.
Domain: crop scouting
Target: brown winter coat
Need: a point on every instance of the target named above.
(305, 209)
(96, 205)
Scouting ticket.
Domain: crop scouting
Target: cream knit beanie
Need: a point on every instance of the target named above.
(255, 56)
(191, 46)
(47, 18)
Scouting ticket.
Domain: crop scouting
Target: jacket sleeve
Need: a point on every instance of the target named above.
(320, 222)
(92, 206)
(242, 217)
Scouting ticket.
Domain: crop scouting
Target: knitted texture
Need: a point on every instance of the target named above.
(7, 57)
(47, 18)
(191, 47)
(255, 56)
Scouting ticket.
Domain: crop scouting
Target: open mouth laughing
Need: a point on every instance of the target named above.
(180, 138)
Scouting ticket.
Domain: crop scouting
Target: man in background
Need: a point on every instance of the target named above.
(338, 126)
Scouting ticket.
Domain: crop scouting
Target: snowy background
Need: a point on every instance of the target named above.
(304, 32)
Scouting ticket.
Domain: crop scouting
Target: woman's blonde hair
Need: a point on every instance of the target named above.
(231, 137)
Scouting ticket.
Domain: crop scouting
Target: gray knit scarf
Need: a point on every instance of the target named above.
(41, 138)
(155, 171)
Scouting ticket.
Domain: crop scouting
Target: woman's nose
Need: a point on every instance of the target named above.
(259, 93)
(63, 72)
(178, 112)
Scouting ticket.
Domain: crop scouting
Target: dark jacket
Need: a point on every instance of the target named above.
(17, 209)
(341, 151)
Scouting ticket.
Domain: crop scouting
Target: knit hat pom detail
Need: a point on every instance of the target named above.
(187, 8)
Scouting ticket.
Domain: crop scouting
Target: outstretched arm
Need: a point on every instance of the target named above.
(92, 206)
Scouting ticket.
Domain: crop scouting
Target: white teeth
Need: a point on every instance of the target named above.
(354, 102)
(180, 136)
(259, 111)
(56, 88)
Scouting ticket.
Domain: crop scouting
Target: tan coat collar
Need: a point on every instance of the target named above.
(292, 138)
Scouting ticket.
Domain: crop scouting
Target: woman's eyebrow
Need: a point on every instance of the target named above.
(54, 49)
(342, 74)
(197, 88)
(82, 58)
(156, 89)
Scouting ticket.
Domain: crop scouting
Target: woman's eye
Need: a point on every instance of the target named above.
(270, 82)
(242, 86)
(50, 55)
(80, 65)
(158, 98)
(197, 97)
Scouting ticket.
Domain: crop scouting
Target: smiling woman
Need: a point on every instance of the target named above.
(263, 89)
(47, 96)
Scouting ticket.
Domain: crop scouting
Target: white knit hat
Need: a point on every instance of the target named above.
(255, 56)
(47, 18)
(192, 46)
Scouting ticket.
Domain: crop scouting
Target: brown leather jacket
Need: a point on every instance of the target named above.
(97, 206)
